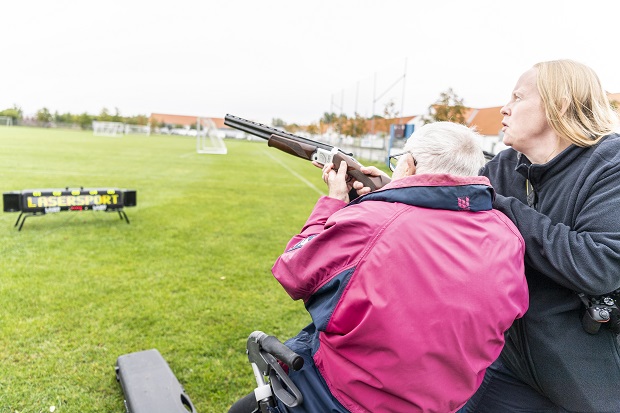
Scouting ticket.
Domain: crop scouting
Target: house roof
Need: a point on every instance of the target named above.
(182, 120)
(219, 123)
(488, 121)
(382, 125)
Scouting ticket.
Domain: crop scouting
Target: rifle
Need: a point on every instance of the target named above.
(306, 149)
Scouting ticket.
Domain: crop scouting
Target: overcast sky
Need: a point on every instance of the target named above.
(287, 59)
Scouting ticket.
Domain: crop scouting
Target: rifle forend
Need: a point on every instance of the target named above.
(306, 149)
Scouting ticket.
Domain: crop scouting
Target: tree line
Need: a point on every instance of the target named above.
(43, 117)
(448, 107)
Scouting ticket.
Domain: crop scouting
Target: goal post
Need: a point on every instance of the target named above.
(114, 129)
(6, 121)
(208, 140)
(138, 129)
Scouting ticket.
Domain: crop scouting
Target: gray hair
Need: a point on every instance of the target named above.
(446, 148)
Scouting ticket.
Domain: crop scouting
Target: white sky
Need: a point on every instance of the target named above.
(287, 59)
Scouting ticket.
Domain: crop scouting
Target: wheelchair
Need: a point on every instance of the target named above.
(265, 353)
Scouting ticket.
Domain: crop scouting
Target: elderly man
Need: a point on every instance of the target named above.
(410, 287)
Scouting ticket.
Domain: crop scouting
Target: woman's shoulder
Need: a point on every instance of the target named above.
(608, 148)
(505, 159)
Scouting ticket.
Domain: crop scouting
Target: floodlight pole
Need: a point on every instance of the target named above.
(402, 101)
(337, 107)
(375, 99)
(357, 91)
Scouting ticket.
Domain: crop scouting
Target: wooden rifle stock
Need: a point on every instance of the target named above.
(301, 150)
(312, 153)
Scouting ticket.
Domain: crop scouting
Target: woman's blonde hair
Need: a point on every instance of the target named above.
(576, 105)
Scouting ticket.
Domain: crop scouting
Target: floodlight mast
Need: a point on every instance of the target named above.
(402, 100)
(375, 99)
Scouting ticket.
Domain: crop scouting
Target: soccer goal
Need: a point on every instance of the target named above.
(114, 129)
(138, 129)
(207, 138)
(6, 121)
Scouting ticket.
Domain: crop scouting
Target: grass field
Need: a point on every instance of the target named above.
(189, 276)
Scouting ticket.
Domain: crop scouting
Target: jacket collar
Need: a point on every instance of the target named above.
(538, 172)
(438, 191)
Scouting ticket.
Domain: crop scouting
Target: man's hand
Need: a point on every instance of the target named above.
(351, 183)
(336, 181)
(368, 170)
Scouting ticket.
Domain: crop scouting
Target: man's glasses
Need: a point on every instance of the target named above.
(393, 160)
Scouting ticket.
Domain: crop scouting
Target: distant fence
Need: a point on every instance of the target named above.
(368, 153)
(376, 149)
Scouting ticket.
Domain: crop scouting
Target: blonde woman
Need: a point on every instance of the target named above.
(560, 184)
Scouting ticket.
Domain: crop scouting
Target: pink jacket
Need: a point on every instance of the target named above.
(410, 303)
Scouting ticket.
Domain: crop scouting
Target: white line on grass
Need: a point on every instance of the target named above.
(301, 178)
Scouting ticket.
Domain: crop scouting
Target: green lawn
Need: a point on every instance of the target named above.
(189, 276)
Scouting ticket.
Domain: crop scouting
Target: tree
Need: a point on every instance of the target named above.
(85, 120)
(340, 124)
(292, 127)
(104, 115)
(449, 107)
(44, 116)
(329, 118)
(15, 113)
(390, 111)
(117, 116)
(382, 124)
(278, 123)
(313, 129)
(356, 126)
(138, 120)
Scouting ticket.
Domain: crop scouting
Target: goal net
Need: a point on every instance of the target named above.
(6, 121)
(101, 128)
(207, 138)
(138, 130)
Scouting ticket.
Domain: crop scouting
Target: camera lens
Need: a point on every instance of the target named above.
(604, 314)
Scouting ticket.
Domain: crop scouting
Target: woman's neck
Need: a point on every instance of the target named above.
(545, 154)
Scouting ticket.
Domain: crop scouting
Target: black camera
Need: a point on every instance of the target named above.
(601, 310)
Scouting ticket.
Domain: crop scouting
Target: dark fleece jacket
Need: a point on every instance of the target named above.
(572, 237)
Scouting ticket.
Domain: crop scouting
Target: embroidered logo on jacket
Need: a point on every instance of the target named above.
(301, 243)
(463, 202)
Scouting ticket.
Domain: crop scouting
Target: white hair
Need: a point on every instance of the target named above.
(446, 148)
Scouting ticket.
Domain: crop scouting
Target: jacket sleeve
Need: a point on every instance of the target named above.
(327, 245)
(584, 257)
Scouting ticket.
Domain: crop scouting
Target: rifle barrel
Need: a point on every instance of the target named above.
(265, 132)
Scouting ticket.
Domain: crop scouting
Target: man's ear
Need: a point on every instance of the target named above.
(410, 163)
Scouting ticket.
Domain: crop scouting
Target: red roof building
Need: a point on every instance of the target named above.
(181, 120)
